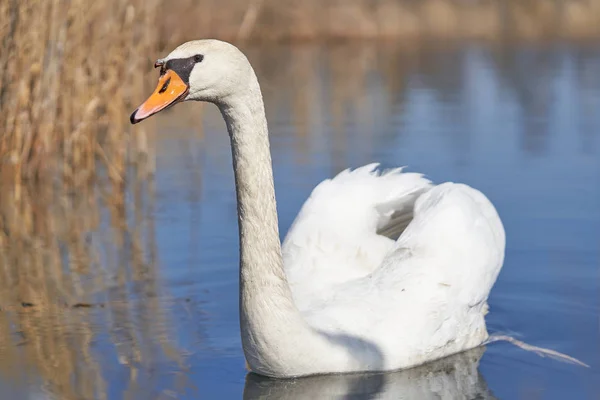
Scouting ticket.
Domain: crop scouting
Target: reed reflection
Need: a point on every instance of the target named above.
(79, 290)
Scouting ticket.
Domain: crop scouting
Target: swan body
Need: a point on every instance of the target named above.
(381, 270)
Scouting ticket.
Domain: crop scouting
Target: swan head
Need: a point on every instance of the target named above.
(202, 70)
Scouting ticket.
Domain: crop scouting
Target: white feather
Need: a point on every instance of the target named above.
(334, 237)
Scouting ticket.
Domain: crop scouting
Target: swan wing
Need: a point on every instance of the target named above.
(455, 240)
(347, 226)
(446, 260)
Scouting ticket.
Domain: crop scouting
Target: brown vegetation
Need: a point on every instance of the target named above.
(71, 71)
(67, 72)
(267, 20)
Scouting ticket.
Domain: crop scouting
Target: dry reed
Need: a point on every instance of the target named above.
(268, 20)
(71, 71)
(68, 71)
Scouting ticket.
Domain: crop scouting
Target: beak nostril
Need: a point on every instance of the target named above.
(165, 86)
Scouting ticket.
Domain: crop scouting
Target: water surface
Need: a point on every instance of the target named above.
(139, 299)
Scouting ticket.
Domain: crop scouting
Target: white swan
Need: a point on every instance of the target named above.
(341, 296)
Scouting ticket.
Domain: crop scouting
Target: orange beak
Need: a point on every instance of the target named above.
(171, 89)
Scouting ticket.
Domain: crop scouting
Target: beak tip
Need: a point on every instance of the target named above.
(133, 119)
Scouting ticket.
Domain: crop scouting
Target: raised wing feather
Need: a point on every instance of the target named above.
(335, 237)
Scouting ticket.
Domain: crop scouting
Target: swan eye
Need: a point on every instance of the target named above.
(198, 58)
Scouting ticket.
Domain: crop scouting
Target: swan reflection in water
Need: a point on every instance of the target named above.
(454, 377)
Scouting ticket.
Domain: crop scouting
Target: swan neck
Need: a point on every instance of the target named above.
(260, 247)
(269, 318)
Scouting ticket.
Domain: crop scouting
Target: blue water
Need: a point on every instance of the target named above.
(520, 122)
